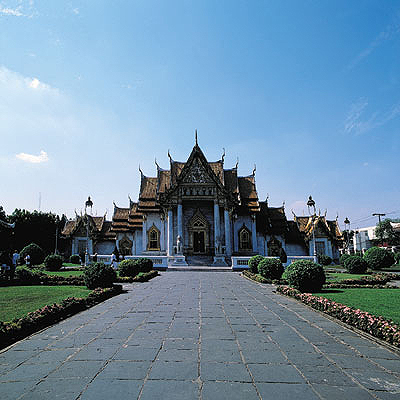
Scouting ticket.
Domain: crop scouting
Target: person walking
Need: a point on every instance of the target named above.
(15, 259)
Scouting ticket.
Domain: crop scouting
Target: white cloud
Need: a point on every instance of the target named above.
(42, 157)
(386, 34)
(357, 123)
(17, 8)
(75, 11)
(35, 83)
(11, 11)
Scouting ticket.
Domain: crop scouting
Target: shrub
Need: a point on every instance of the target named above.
(128, 268)
(324, 259)
(99, 275)
(343, 258)
(271, 268)
(378, 258)
(144, 264)
(355, 265)
(253, 263)
(397, 258)
(53, 262)
(25, 274)
(35, 252)
(305, 276)
(75, 259)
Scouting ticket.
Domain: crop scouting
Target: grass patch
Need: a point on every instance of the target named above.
(72, 265)
(341, 276)
(17, 301)
(333, 266)
(384, 302)
(63, 273)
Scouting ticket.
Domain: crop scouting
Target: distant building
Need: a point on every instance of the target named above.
(198, 209)
(365, 238)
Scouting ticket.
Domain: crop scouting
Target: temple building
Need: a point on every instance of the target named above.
(199, 210)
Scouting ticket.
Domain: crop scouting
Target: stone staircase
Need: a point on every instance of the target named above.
(199, 261)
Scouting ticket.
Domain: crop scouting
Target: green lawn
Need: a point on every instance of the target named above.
(63, 273)
(72, 265)
(385, 302)
(338, 276)
(17, 301)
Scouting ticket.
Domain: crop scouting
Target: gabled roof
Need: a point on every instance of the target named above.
(320, 225)
(98, 227)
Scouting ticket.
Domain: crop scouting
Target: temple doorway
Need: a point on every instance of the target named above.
(199, 242)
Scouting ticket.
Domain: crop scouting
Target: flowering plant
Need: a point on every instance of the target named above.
(375, 325)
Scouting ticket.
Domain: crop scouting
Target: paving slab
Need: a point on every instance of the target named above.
(199, 335)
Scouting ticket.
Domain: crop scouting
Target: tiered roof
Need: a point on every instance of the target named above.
(318, 223)
(126, 219)
(98, 227)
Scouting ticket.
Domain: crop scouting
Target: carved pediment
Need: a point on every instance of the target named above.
(197, 174)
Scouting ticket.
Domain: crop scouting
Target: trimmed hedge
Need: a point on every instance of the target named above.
(10, 332)
(99, 275)
(324, 259)
(355, 265)
(271, 268)
(253, 263)
(53, 262)
(343, 258)
(128, 268)
(35, 252)
(378, 258)
(305, 276)
(75, 259)
(144, 264)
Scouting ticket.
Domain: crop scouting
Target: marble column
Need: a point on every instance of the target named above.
(216, 225)
(144, 235)
(228, 246)
(170, 234)
(180, 230)
(254, 233)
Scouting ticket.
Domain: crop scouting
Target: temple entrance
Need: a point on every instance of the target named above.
(199, 242)
(198, 235)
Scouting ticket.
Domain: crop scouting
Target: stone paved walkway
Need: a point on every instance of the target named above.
(198, 335)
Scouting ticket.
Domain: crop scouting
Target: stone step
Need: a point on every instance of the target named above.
(200, 268)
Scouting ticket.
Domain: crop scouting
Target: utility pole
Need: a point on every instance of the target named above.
(379, 215)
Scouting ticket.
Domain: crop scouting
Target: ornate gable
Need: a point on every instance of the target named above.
(197, 174)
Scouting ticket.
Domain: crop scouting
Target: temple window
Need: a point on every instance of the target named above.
(244, 239)
(153, 235)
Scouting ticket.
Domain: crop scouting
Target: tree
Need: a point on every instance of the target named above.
(385, 233)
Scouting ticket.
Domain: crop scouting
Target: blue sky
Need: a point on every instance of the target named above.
(308, 91)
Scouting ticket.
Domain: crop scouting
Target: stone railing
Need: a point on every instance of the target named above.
(241, 262)
(291, 259)
(159, 262)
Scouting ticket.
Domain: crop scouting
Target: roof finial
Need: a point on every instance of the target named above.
(169, 155)
(155, 160)
(267, 198)
(237, 163)
(195, 135)
(254, 170)
(223, 155)
(141, 172)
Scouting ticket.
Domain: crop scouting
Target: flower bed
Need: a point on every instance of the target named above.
(53, 280)
(377, 326)
(17, 329)
(256, 277)
(141, 277)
